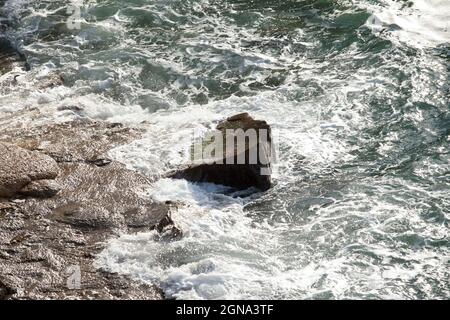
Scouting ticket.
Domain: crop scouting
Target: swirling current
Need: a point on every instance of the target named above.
(358, 92)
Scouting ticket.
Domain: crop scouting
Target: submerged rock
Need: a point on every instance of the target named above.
(20, 167)
(243, 164)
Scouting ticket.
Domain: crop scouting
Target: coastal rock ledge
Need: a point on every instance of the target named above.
(61, 200)
(26, 171)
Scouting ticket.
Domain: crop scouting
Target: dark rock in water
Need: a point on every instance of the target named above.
(40, 189)
(243, 164)
(169, 229)
(238, 176)
(20, 167)
(73, 108)
(10, 57)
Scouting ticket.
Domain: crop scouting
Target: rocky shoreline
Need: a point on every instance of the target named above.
(61, 199)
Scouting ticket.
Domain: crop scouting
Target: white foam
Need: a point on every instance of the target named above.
(425, 24)
(221, 257)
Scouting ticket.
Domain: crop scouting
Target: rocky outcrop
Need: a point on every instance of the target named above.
(6, 290)
(75, 141)
(10, 57)
(239, 167)
(40, 189)
(21, 169)
(50, 81)
(63, 198)
(101, 198)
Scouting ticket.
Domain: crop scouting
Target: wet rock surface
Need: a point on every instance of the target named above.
(20, 167)
(82, 140)
(10, 57)
(236, 167)
(68, 200)
(50, 81)
(6, 290)
(40, 189)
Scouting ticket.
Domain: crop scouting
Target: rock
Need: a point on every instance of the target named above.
(6, 290)
(146, 216)
(19, 238)
(168, 227)
(10, 57)
(51, 81)
(101, 198)
(73, 108)
(41, 238)
(87, 214)
(5, 207)
(239, 167)
(100, 162)
(19, 167)
(40, 189)
(237, 176)
(93, 139)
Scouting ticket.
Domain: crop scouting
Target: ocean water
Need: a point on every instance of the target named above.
(357, 92)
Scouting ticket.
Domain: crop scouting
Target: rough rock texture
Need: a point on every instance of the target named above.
(40, 189)
(20, 167)
(6, 290)
(102, 197)
(43, 240)
(225, 169)
(10, 57)
(81, 140)
(50, 81)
